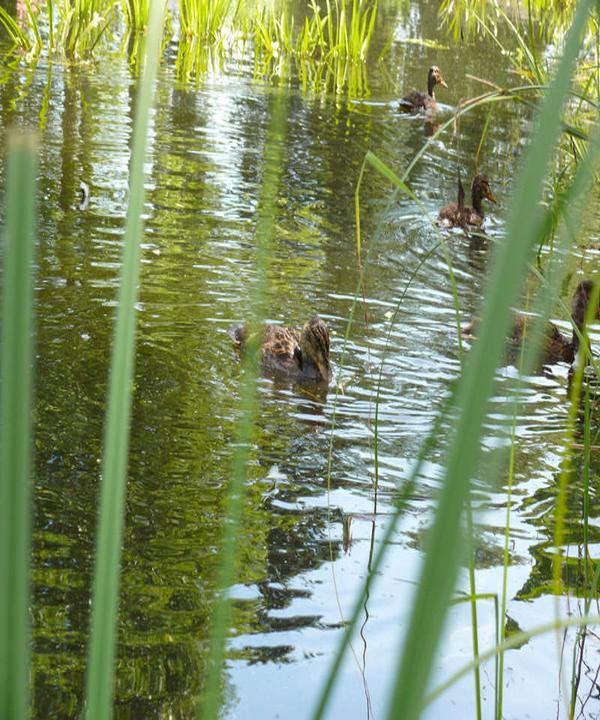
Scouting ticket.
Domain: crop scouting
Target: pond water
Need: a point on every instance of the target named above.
(299, 573)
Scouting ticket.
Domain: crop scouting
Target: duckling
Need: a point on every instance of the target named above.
(460, 215)
(555, 346)
(286, 351)
(417, 101)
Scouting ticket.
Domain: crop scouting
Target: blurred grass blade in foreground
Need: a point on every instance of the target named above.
(211, 700)
(101, 652)
(16, 379)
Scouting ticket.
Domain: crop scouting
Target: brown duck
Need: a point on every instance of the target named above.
(417, 101)
(460, 215)
(299, 355)
(555, 346)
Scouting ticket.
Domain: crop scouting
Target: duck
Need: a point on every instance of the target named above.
(288, 352)
(466, 216)
(417, 101)
(555, 347)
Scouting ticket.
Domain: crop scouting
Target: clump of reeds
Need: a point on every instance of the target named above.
(206, 19)
(549, 16)
(329, 49)
(136, 14)
(75, 28)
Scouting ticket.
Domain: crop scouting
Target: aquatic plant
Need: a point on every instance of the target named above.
(464, 17)
(81, 25)
(329, 51)
(26, 40)
(73, 27)
(468, 402)
(16, 381)
(211, 701)
(103, 628)
(206, 19)
(136, 13)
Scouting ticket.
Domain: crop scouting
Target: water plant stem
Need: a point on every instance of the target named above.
(15, 427)
(101, 651)
(505, 564)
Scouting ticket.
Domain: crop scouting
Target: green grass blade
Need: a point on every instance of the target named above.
(15, 428)
(514, 641)
(12, 28)
(229, 555)
(101, 651)
(444, 546)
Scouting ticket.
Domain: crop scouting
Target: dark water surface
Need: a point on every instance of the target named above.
(298, 578)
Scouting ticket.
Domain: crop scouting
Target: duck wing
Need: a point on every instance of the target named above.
(415, 100)
(450, 214)
(281, 350)
(281, 341)
(556, 346)
(471, 218)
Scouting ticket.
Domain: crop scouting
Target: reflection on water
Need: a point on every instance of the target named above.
(302, 558)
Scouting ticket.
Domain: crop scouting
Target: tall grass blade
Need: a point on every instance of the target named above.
(444, 545)
(15, 428)
(229, 555)
(101, 651)
(17, 35)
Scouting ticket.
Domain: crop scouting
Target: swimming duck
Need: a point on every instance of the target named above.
(555, 346)
(417, 101)
(299, 355)
(460, 215)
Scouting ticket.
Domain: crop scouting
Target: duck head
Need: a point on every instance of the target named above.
(480, 189)
(314, 345)
(434, 77)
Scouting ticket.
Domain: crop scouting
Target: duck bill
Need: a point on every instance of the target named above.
(443, 83)
(324, 369)
(490, 196)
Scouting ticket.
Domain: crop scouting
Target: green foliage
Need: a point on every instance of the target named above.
(20, 37)
(329, 50)
(466, 17)
(76, 27)
(206, 19)
(326, 48)
(136, 13)
(15, 427)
